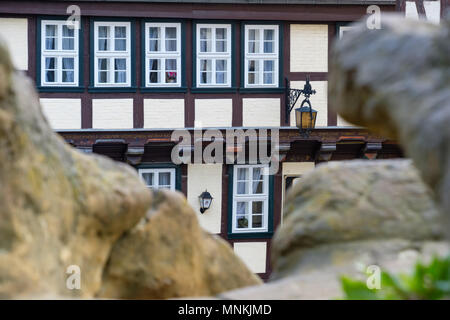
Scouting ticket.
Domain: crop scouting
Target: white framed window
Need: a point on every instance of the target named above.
(213, 55)
(112, 54)
(250, 198)
(59, 54)
(158, 178)
(261, 55)
(163, 54)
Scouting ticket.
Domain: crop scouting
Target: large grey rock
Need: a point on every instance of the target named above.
(345, 216)
(168, 255)
(58, 207)
(396, 81)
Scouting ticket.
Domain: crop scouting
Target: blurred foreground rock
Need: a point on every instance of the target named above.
(396, 81)
(169, 255)
(59, 207)
(345, 216)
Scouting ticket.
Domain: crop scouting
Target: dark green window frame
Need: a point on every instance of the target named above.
(183, 87)
(248, 235)
(280, 88)
(194, 87)
(164, 166)
(132, 87)
(40, 88)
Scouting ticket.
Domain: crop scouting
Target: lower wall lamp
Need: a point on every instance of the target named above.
(305, 116)
(205, 201)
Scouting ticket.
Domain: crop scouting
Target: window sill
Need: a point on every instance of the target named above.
(59, 89)
(251, 235)
(262, 90)
(213, 90)
(111, 89)
(163, 89)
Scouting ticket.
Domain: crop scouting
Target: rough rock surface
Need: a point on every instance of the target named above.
(169, 255)
(58, 206)
(395, 81)
(347, 215)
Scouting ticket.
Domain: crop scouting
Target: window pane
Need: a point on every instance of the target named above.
(103, 44)
(155, 67)
(241, 215)
(68, 63)
(205, 33)
(154, 32)
(103, 32)
(269, 34)
(221, 65)
(50, 43)
(269, 65)
(206, 71)
(155, 35)
(253, 72)
(148, 178)
(155, 45)
(268, 78)
(205, 40)
(68, 32)
(268, 47)
(241, 187)
(120, 64)
(171, 45)
(221, 36)
(51, 30)
(120, 32)
(257, 174)
(257, 221)
(50, 76)
(205, 46)
(171, 33)
(253, 34)
(164, 178)
(50, 63)
(221, 77)
(103, 64)
(68, 43)
(171, 68)
(257, 207)
(120, 44)
(257, 187)
(155, 64)
(103, 77)
(171, 64)
(68, 76)
(154, 77)
(242, 174)
(120, 76)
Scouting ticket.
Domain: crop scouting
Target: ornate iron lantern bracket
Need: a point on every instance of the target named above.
(292, 96)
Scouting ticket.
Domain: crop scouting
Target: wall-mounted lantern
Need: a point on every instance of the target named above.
(305, 116)
(205, 201)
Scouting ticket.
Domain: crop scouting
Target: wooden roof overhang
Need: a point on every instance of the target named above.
(324, 144)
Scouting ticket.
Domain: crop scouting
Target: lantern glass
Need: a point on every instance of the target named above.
(305, 118)
(205, 201)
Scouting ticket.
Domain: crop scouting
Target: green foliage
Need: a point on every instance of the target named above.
(427, 282)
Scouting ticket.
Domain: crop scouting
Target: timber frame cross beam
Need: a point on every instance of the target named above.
(292, 96)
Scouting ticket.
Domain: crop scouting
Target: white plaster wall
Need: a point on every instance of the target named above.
(163, 113)
(15, 33)
(213, 112)
(309, 47)
(261, 112)
(201, 177)
(62, 113)
(253, 254)
(319, 101)
(112, 113)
